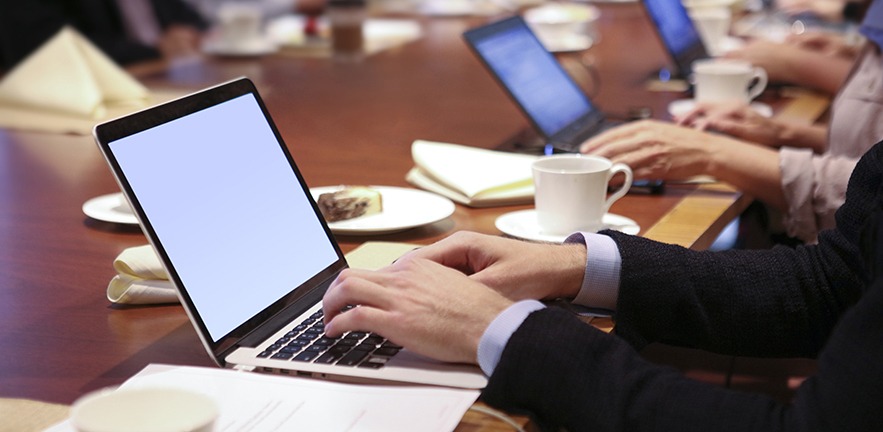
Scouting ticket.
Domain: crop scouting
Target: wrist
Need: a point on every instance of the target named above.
(787, 135)
(570, 268)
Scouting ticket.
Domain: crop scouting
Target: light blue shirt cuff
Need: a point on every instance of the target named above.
(600, 287)
(497, 335)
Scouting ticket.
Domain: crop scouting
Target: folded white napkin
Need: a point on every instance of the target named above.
(68, 74)
(142, 279)
(472, 176)
(67, 85)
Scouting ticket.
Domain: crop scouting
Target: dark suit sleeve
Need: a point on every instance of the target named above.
(778, 302)
(571, 375)
(25, 25)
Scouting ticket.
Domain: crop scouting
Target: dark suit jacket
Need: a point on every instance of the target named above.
(807, 301)
(25, 25)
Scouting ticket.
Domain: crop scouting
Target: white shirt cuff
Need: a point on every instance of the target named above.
(497, 334)
(600, 287)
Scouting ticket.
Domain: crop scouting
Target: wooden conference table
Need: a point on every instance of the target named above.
(345, 123)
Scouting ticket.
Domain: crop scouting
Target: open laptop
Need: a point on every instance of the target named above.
(221, 200)
(550, 99)
(678, 34)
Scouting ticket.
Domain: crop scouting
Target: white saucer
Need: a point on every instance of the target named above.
(523, 224)
(255, 47)
(683, 106)
(110, 208)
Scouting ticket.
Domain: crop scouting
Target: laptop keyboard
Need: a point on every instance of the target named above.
(307, 342)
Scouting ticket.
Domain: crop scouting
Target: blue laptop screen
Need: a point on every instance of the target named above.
(532, 76)
(227, 208)
(674, 25)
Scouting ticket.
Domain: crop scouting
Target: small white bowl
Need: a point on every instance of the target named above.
(144, 410)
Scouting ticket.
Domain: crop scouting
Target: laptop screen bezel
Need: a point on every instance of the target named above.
(111, 131)
(474, 36)
(683, 60)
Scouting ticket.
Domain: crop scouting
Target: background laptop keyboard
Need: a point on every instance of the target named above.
(307, 342)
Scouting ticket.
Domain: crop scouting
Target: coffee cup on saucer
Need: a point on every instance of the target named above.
(725, 80)
(143, 409)
(571, 191)
(564, 26)
(239, 29)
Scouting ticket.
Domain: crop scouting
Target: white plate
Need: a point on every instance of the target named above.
(403, 209)
(110, 208)
(523, 224)
(683, 106)
(254, 48)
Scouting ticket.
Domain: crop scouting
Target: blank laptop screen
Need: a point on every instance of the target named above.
(533, 76)
(675, 28)
(227, 208)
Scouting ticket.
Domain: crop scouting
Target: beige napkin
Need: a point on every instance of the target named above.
(69, 85)
(142, 279)
(472, 176)
(68, 74)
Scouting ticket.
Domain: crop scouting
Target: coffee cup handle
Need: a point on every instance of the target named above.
(626, 185)
(760, 81)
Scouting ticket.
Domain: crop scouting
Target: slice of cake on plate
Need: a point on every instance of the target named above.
(350, 202)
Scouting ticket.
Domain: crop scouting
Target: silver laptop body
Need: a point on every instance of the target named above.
(221, 200)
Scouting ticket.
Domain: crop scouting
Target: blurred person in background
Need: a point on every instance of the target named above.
(128, 31)
(798, 171)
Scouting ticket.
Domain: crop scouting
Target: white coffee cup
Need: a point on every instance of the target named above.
(724, 80)
(154, 409)
(239, 24)
(713, 24)
(557, 24)
(571, 191)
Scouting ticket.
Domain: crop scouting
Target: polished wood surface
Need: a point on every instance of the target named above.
(345, 123)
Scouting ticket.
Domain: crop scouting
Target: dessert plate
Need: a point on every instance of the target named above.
(110, 208)
(403, 209)
(523, 224)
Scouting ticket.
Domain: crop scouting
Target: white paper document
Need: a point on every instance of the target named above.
(250, 401)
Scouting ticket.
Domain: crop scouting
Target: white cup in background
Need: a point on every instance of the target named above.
(722, 80)
(571, 191)
(713, 24)
(239, 25)
(557, 25)
(153, 409)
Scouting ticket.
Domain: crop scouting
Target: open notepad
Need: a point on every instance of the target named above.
(472, 176)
